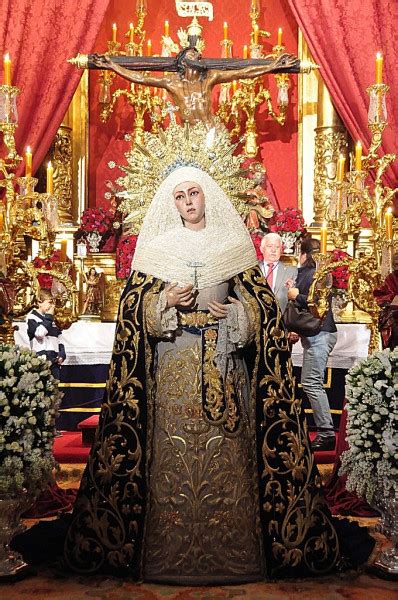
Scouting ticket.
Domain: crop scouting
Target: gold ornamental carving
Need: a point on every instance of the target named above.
(329, 144)
(62, 160)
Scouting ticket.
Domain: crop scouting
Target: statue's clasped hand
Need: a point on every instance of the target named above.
(220, 311)
(179, 296)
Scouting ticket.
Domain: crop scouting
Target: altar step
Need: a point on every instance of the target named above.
(74, 446)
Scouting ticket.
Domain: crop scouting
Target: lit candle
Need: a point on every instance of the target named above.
(340, 168)
(62, 255)
(324, 238)
(388, 224)
(7, 69)
(225, 30)
(149, 48)
(379, 67)
(166, 29)
(50, 178)
(280, 36)
(28, 162)
(255, 31)
(244, 51)
(358, 156)
(131, 33)
(114, 32)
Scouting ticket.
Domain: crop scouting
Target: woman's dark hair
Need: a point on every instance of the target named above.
(308, 246)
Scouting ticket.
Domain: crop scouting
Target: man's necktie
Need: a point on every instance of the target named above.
(270, 275)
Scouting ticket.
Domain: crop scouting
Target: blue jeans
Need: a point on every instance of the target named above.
(315, 358)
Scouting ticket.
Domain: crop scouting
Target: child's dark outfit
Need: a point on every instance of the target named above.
(45, 339)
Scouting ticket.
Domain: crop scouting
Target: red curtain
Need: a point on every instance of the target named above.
(40, 36)
(344, 38)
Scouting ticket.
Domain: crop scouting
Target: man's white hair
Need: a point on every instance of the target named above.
(271, 236)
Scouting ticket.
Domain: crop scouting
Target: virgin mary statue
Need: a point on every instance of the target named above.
(201, 471)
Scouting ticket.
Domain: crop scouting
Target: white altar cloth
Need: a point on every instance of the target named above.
(90, 343)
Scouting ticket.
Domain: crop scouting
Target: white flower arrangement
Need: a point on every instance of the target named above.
(371, 462)
(29, 400)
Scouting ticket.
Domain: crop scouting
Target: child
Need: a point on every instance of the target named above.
(44, 335)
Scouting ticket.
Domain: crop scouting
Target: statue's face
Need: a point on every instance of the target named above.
(190, 202)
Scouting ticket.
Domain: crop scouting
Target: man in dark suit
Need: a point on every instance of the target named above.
(278, 275)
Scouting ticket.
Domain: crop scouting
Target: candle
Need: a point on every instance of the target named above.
(324, 238)
(7, 69)
(388, 224)
(50, 178)
(379, 67)
(28, 162)
(340, 168)
(114, 32)
(280, 36)
(166, 29)
(255, 31)
(131, 33)
(358, 156)
(225, 30)
(62, 256)
(244, 51)
(149, 48)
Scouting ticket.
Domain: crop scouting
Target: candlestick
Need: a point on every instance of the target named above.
(388, 224)
(131, 33)
(255, 31)
(149, 48)
(50, 178)
(62, 255)
(28, 162)
(358, 156)
(244, 51)
(324, 238)
(7, 69)
(280, 36)
(225, 30)
(114, 32)
(340, 168)
(379, 67)
(166, 29)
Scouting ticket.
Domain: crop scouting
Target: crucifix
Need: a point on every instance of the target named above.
(188, 77)
(195, 266)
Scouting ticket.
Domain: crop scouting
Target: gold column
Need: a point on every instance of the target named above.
(330, 142)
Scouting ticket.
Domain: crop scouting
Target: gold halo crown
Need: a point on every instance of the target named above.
(177, 146)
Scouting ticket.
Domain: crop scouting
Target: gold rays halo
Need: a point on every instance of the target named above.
(149, 163)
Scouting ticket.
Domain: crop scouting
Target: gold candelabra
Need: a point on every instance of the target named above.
(360, 195)
(244, 97)
(24, 215)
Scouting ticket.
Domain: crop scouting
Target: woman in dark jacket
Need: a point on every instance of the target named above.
(316, 351)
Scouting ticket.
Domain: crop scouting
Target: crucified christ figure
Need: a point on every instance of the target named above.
(190, 79)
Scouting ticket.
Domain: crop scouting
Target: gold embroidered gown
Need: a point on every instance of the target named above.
(203, 522)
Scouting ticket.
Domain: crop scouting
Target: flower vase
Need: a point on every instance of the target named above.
(387, 503)
(94, 239)
(289, 240)
(12, 505)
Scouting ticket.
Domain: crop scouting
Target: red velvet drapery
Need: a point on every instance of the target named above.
(344, 38)
(40, 36)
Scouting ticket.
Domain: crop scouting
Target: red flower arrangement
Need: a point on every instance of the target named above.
(96, 219)
(45, 281)
(124, 255)
(287, 220)
(340, 275)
